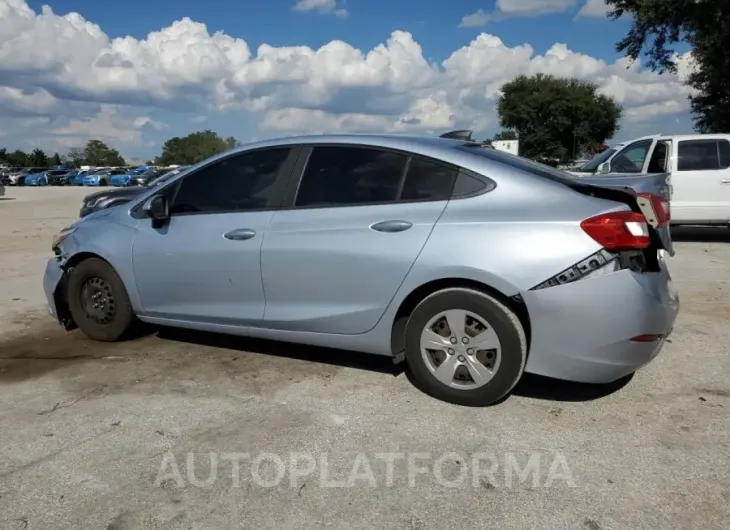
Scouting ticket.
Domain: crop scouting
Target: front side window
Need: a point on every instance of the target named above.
(698, 155)
(237, 183)
(343, 176)
(592, 165)
(631, 158)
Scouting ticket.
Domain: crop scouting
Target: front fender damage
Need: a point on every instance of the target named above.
(60, 300)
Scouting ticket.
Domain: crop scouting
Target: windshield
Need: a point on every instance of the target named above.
(592, 166)
(162, 178)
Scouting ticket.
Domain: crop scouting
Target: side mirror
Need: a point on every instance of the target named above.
(604, 168)
(157, 208)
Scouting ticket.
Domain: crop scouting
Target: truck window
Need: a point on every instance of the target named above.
(698, 155)
(659, 158)
(631, 158)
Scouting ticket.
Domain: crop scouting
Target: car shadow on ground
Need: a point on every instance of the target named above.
(531, 386)
(701, 234)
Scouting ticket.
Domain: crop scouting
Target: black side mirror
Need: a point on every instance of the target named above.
(157, 208)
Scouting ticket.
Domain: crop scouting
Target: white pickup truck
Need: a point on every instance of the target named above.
(698, 166)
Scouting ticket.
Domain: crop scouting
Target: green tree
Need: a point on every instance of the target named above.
(97, 153)
(55, 160)
(556, 118)
(194, 148)
(18, 158)
(74, 157)
(38, 158)
(505, 135)
(657, 25)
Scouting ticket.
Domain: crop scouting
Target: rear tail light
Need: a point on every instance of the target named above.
(656, 209)
(618, 230)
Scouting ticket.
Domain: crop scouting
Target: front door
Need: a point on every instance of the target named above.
(334, 260)
(203, 265)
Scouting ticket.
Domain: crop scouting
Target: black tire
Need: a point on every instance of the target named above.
(102, 182)
(503, 321)
(100, 275)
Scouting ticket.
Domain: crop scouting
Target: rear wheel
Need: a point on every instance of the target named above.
(102, 182)
(98, 301)
(465, 347)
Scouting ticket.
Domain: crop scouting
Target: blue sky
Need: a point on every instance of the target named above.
(433, 24)
(69, 84)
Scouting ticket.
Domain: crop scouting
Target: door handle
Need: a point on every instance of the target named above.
(391, 226)
(240, 234)
(725, 181)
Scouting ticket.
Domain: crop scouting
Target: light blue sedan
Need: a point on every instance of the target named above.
(471, 264)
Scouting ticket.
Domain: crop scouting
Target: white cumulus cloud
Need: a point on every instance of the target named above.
(80, 83)
(594, 8)
(323, 6)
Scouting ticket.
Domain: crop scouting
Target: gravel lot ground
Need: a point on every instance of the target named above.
(90, 434)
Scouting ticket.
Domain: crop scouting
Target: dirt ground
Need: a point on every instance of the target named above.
(183, 430)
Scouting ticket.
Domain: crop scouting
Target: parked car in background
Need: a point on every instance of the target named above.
(458, 258)
(142, 179)
(78, 179)
(36, 179)
(116, 196)
(52, 177)
(18, 178)
(128, 177)
(5, 173)
(67, 179)
(698, 166)
(102, 178)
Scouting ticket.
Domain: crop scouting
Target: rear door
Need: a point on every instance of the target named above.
(355, 224)
(701, 180)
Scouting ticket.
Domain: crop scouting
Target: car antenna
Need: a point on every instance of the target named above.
(464, 134)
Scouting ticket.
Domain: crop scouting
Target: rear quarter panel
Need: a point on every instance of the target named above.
(511, 238)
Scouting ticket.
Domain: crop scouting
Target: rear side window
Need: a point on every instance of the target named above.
(702, 155)
(342, 176)
(428, 181)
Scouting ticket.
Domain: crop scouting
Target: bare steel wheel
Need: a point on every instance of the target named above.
(461, 349)
(465, 346)
(97, 299)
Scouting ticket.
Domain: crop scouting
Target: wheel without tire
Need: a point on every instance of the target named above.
(465, 347)
(98, 301)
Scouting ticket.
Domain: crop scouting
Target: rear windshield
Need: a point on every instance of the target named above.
(529, 166)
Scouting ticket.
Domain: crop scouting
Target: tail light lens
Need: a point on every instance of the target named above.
(656, 209)
(618, 230)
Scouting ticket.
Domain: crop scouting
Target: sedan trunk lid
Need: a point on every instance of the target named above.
(634, 185)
